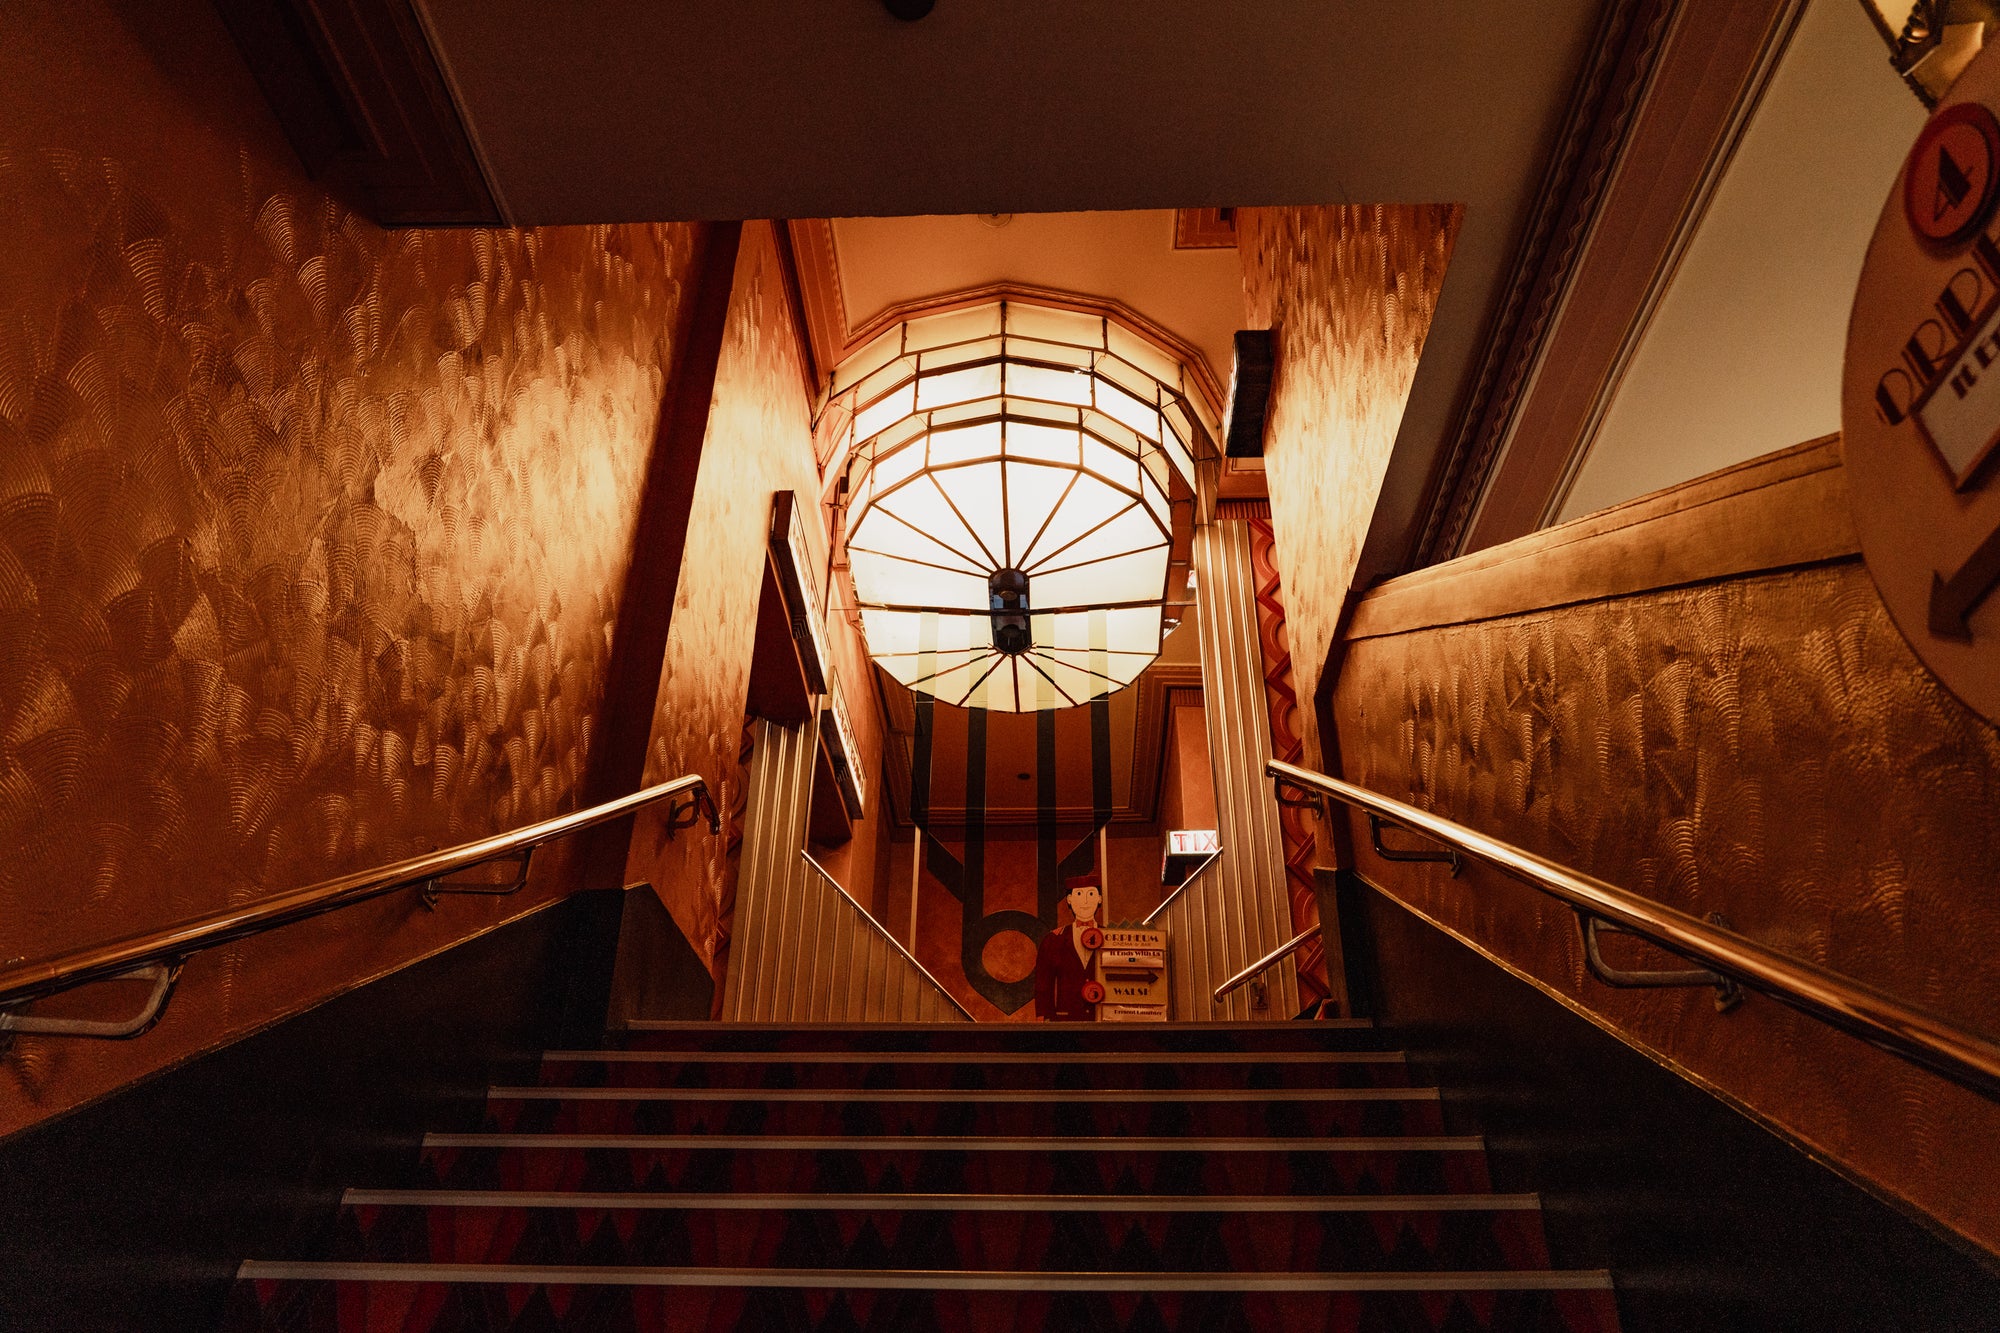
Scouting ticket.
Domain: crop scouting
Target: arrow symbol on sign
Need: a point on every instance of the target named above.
(1953, 599)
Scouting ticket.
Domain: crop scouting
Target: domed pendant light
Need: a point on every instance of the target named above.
(1009, 524)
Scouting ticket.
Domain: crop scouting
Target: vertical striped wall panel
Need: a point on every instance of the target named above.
(805, 952)
(1237, 911)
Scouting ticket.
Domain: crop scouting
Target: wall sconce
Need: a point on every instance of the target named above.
(1932, 41)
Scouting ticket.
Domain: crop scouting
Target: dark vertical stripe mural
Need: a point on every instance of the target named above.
(963, 873)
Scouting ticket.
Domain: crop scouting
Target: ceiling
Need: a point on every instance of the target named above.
(634, 110)
(1127, 257)
(1089, 123)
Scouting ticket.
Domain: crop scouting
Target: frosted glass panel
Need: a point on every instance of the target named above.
(1056, 444)
(1089, 503)
(1067, 326)
(1059, 386)
(1032, 493)
(922, 506)
(1032, 438)
(954, 326)
(958, 386)
(977, 492)
(888, 411)
(1126, 578)
(889, 582)
(965, 443)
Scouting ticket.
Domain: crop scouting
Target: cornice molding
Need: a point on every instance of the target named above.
(815, 266)
(1781, 511)
(1608, 94)
(833, 336)
(795, 310)
(1781, 21)
(369, 108)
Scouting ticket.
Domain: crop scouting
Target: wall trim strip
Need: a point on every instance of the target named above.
(1780, 511)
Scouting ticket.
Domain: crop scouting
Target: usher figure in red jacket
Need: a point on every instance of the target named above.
(1062, 965)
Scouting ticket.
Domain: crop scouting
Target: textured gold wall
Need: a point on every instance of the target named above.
(310, 533)
(759, 441)
(1762, 745)
(1348, 292)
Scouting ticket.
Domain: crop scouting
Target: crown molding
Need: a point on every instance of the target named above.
(368, 106)
(1586, 153)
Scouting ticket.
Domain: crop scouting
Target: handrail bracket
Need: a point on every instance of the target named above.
(164, 976)
(1841, 1002)
(1449, 856)
(438, 887)
(1727, 993)
(699, 804)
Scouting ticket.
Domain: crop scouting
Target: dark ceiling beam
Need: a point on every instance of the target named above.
(359, 94)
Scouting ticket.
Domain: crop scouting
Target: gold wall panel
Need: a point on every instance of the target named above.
(1762, 745)
(759, 442)
(1348, 292)
(310, 533)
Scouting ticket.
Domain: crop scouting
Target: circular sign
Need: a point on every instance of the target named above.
(1920, 395)
(1953, 174)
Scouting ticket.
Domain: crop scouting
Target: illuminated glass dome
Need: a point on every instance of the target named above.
(1009, 524)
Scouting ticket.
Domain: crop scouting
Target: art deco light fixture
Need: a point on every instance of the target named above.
(1010, 469)
(1932, 41)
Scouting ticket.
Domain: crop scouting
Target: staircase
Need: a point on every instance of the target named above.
(992, 1177)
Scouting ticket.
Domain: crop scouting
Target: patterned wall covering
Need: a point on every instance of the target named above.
(1349, 292)
(1762, 746)
(1296, 824)
(310, 533)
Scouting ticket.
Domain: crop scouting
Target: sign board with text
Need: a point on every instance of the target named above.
(1920, 394)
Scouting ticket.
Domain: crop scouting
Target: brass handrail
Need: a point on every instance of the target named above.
(894, 943)
(25, 980)
(1181, 888)
(1277, 955)
(1841, 1002)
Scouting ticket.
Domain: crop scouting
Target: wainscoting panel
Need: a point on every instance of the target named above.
(1237, 911)
(804, 951)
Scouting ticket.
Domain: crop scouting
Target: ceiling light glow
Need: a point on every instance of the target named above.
(1010, 469)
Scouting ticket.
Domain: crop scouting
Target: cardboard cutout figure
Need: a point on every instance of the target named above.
(1064, 989)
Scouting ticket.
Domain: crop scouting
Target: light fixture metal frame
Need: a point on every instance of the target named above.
(1013, 366)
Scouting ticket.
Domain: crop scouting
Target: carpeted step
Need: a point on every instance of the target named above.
(1028, 1232)
(1334, 1034)
(1212, 1112)
(968, 1069)
(431, 1299)
(1349, 1164)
